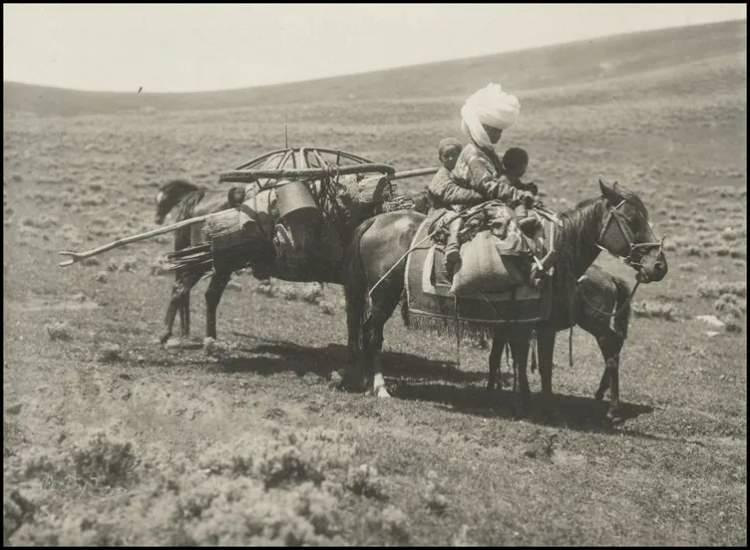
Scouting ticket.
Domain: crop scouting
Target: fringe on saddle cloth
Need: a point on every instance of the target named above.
(432, 303)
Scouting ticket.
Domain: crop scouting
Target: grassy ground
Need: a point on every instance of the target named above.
(110, 439)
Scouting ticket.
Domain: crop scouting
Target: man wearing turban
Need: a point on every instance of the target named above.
(484, 116)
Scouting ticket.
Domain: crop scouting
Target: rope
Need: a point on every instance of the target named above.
(618, 310)
(405, 254)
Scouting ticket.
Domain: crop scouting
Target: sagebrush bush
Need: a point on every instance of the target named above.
(59, 331)
(364, 481)
(713, 289)
(730, 304)
(655, 310)
(102, 461)
(732, 324)
(395, 522)
(434, 494)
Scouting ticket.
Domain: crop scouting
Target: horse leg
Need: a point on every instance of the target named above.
(519, 348)
(186, 304)
(603, 383)
(496, 355)
(184, 309)
(355, 308)
(546, 349)
(184, 282)
(213, 294)
(383, 306)
(610, 344)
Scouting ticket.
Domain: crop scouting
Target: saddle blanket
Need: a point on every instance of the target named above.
(428, 292)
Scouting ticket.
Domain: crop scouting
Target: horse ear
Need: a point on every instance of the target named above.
(612, 194)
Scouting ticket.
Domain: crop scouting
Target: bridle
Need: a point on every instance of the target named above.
(635, 251)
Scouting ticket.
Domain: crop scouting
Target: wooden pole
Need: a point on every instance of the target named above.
(413, 173)
(78, 256)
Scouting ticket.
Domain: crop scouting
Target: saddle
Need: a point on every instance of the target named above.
(495, 254)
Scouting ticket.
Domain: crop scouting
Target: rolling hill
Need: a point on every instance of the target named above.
(579, 63)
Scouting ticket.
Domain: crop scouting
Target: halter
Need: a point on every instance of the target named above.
(634, 250)
(630, 259)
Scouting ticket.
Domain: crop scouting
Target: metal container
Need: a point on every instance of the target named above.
(292, 197)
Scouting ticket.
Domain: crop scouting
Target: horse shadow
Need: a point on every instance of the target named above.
(566, 411)
(270, 356)
(415, 378)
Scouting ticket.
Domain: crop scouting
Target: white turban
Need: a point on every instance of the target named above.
(491, 106)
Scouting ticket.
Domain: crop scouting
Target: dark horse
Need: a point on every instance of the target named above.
(186, 197)
(602, 308)
(191, 201)
(616, 221)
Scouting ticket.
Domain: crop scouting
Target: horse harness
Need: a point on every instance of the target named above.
(635, 251)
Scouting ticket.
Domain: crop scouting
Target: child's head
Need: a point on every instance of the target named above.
(515, 161)
(448, 152)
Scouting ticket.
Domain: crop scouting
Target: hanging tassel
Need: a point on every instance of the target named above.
(458, 334)
(534, 344)
(570, 346)
(507, 352)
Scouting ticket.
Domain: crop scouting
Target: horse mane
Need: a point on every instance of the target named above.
(573, 242)
(185, 196)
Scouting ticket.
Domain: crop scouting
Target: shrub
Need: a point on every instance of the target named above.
(327, 307)
(712, 289)
(312, 294)
(434, 495)
(730, 305)
(59, 331)
(654, 310)
(732, 325)
(729, 234)
(289, 293)
(109, 353)
(394, 521)
(104, 462)
(365, 481)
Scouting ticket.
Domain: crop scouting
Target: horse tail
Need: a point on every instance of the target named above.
(187, 206)
(189, 202)
(404, 309)
(623, 307)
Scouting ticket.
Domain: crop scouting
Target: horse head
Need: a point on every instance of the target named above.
(627, 234)
(169, 195)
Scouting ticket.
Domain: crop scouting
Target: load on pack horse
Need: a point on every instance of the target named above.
(292, 220)
(602, 307)
(490, 287)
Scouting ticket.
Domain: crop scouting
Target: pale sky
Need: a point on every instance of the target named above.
(120, 47)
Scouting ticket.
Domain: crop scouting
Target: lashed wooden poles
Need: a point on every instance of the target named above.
(74, 257)
(78, 256)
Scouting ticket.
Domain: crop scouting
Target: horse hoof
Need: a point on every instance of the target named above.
(163, 339)
(216, 348)
(381, 392)
(172, 343)
(615, 417)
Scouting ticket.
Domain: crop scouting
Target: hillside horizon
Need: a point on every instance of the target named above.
(570, 63)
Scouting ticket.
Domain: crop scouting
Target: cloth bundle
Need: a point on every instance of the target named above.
(491, 106)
